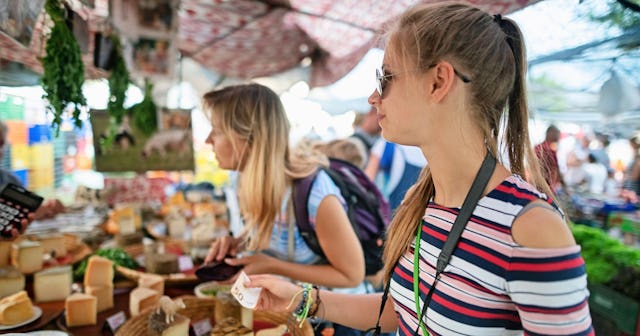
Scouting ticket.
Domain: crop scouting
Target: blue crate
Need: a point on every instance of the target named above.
(23, 176)
(39, 134)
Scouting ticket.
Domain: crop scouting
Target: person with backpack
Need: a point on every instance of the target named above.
(250, 134)
(366, 133)
(394, 168)
(476, 247)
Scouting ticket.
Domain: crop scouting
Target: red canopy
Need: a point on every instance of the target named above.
(252, 38)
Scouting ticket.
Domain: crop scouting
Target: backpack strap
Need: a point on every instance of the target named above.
(301, 191)
(386, 159)
(364, 140)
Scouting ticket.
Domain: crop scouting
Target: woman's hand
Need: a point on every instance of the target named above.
(49, 208)
(277, 293)
(221, 248)
(258, 263)
(24, 223)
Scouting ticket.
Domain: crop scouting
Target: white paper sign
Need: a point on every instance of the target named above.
(185, 263)
(248, 297)
(116, 320)
(202, 327)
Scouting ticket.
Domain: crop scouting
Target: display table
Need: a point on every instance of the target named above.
(53, 312)
(53, 318)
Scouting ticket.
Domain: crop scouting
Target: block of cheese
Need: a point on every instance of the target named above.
(141, 299)
(52, 284)
(128, 219)
(53, 243)
(104, 294)
(16, 308)
(123, 240)
(157, 326)
(161, 263)
(80, 309)
(179, 327)
(177, 225)
(99, 272)
(11, 281)
(26, 256)
(5, 252)
(152, 281)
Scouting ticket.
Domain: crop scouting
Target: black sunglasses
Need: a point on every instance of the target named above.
(382, 78)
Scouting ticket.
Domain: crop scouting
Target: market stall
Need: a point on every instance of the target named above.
(107, 263)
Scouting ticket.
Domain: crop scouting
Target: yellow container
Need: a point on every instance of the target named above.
(42, 156)
(41, 178)
(20, 156)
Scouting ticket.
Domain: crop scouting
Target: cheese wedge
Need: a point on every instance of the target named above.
(141, 299)
(52, 284)
(104, 295)
(152, 281)
(99, 272)
(26, 256)
(179, 327)
(11, 281)
(16, 308)
(80, 310)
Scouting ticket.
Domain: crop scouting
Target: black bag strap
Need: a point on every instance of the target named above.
(300, 198)
(471, 200)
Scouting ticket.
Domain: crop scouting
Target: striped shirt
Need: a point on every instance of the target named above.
(493, 285)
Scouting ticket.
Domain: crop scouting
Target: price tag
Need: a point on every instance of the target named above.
(115, 321)
(202, 327)
(185, 263)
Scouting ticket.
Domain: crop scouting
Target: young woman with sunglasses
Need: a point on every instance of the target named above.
(453, 84)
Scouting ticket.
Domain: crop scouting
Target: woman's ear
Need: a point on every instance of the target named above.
(441, 78)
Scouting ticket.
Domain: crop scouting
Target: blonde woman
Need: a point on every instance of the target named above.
(250, 134)
(453, 78)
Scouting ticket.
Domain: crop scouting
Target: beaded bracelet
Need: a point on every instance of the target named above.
(302, 311)
(316, 308)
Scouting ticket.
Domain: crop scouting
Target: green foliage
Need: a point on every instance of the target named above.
(604, 256)
(117, 255)
(118, 84)
(617, 15)
(144, 113)
(63, 68)
(547, 94)
(107, 141)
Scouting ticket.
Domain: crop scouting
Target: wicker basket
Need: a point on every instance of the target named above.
(169, 279)
(201, 308)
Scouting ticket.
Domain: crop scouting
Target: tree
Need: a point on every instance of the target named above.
(624, 14)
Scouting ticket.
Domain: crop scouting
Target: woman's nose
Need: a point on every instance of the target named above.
(209, 140)
(374, 98)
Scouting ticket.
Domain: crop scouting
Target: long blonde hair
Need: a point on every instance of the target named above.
(490, 50)
(254, 113)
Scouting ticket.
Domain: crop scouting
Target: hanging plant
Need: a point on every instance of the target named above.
(118, 83)
(144, 113)
(63, 68)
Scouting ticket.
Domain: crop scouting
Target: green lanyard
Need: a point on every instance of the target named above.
(470, 201)
(416, 279)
